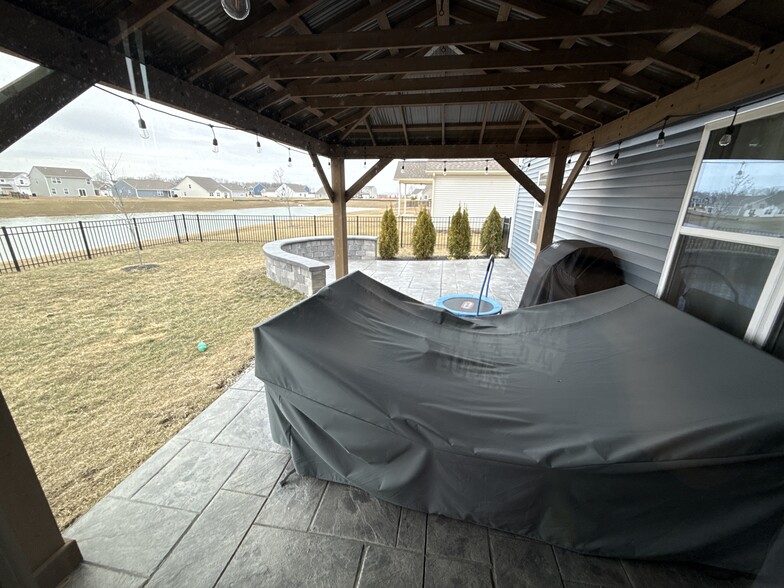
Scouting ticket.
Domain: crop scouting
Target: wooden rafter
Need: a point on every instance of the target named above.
(133, 18)
(578, 166)
(448, 151)
(521, 178)
(322, 176)
(403, 122)
(523, 121)
(366, 177)
(484, 123)
(370, 132)
(533, 30)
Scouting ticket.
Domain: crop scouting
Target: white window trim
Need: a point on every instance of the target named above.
(771, 300)
(536, 208)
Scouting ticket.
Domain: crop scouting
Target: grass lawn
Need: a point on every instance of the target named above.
(100, 366)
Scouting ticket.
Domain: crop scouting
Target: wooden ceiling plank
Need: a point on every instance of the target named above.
(593, 7)
(427, 98)
(359, 18)
(754, 76)
(503, 15)
(469, 62)
(266, 25)
(531, 30)
(499, 80)
(451, 151)
(86, 59)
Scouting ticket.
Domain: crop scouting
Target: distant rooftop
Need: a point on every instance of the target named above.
(147, 184)
(416, 170)
(61, 172)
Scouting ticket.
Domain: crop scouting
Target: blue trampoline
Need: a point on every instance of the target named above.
(469, 305)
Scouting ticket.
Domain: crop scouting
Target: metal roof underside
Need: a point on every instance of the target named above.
(306, 64)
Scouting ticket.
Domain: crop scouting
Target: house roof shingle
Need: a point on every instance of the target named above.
(147, 184)
(11, 174)
(61, 172)
(207, 183)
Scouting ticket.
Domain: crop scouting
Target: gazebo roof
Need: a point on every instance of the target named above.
(397, 78)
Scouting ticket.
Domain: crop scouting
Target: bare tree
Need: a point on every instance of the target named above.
(107, 169)
(729, 201)
(278, 177)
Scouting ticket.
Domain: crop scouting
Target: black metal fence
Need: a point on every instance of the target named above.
(36, 245)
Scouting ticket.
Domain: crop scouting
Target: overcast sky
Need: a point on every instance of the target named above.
(176, 148)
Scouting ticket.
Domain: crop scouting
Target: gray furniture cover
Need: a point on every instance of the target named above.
(610, 424)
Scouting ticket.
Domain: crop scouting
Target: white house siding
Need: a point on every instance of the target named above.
(631, 207)
(477, 192)
(188, 189)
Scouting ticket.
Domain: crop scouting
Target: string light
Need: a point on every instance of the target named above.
(487, 167)
(403, 167)
(660, 140)
(143, 132)
(617, 156)
(214, 140)
(444, 172)
(289, 156)
(258, 144)
(726, 138)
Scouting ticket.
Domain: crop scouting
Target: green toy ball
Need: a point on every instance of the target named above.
(202, 346)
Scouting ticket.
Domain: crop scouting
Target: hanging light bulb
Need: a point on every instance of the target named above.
(289, 157)
(660, 140)
(726, 138)
(236, 9)
(258, 144)
(143, 132)
(588, 162)
(617, 156)
(529, 164)
(569, 161)
(444, 172)
(214, 140)
(487, 168)
(403, 167)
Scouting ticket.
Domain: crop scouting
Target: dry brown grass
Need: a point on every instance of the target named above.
(100, 367)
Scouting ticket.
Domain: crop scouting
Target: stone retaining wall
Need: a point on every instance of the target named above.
(299, 263)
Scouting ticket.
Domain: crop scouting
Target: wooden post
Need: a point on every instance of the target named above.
(39, 556)
(339, 223)
(552, 194)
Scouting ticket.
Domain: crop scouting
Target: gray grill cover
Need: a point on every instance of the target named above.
(570, 268)
(610, 424)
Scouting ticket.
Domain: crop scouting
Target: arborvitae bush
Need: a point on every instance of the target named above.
(423, 239)
(459, 237)
(388, 240)
(491, 239)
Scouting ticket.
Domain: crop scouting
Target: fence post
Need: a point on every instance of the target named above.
(315, 230)
(198, 222)
(84, 238)
(176, 228)
(401, 231)
(138, 238)
(236, 229)
(185, 226)
(357, 223)
(11, 249)
(274, 229)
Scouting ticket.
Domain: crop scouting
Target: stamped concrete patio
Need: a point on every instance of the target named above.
(216, 506)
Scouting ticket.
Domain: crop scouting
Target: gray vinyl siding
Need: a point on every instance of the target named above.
(631, 207)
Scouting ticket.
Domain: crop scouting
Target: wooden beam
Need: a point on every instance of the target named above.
(30, 541)
(468, 62)
(33, 98)
(355, 20)
(523, 122)
(448, 151)
(54, 48)
(442, 12)
(266, 25)
(503, 15)
(403, 121)
(356, 118)
(339, 223)
(370, 132)
(521, 178)
(484, 123)
(499, 80)
(578, 166)
(322, 176)
(527, 30)
(552, 195)
(352, 126)
(443, 124)
(738, 83)
(366, 177)
(133, 18)
(574, 91)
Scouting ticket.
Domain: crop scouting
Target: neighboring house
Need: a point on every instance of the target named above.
(102, 188)
(258, 189)
(693, 238)
(200, 187)
(60, 181)
(320, 193)
(287, 190)
(367, 192)
(476, 184)
(134, 188)
(421, 193)
(14, 183)
(237, 190)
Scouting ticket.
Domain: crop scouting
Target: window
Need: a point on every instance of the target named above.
(54, 191)
(726, 258)
(57, 181)
(82, 192)
(66, 191)
(87, 180)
